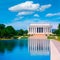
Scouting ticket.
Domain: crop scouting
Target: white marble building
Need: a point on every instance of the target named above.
(39, 29)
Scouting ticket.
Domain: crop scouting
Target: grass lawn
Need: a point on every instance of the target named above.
(24, 37)
(51, 37)
(54, 37)
(58, 38)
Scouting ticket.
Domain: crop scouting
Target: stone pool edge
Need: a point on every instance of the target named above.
(55, 53)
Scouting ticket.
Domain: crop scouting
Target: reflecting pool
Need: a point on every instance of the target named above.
(24, 49)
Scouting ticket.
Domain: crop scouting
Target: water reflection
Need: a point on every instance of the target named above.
(7, 45)
(38, 46)
(34, 46)
(23, 43)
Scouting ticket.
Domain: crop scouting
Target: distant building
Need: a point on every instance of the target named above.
(40, 29)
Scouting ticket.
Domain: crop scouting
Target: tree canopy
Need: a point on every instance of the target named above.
(2, 26)
(59, 26)
(9, 31)
(22, 32)
(57, 31)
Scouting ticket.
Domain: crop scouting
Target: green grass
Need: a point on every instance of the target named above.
(24, 37)
(51, 37)
(54, 37)
(58, 38)
(6, 38)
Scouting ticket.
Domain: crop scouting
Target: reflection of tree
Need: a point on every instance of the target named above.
(23, 43)
(26, 42)
(9, 45)
(2, 46)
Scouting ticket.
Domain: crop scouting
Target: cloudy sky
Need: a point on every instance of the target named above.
(21, 13)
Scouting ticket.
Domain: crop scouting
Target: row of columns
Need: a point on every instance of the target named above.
(34, 29)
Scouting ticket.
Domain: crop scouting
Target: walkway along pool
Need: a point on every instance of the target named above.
(24, 49)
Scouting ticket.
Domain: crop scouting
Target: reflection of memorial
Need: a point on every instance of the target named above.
(38, 46)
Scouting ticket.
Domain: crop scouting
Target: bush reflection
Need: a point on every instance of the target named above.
(11, 44)
(8, 45)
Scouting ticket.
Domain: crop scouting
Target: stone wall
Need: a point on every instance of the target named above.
(55, 53)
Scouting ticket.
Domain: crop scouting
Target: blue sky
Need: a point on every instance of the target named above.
(21, 13)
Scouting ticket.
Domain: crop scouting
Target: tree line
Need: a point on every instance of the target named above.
(9, 31)
(57, 31)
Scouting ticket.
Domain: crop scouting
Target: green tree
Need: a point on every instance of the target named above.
(2, 26)
(26, 32)
(2, 33)
(21, 32)
(57, 31)
(10, 31)
(59, 26)
(7, 32)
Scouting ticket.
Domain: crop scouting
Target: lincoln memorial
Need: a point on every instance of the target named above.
(39, 29)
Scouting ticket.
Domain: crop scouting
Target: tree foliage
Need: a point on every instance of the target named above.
(2, 26)
(26, 32)
(57, 31)
(22, 32)
(59, 26)
(9, 31)
(6, 32)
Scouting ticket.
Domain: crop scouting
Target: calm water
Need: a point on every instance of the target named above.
(20, 50)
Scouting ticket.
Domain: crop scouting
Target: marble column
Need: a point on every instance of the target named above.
(36, 29)
(30, 29)
(43, 29)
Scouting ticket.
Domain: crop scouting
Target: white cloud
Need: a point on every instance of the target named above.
(44, 7)
(36, 15)
(29, 6)
(24, 13)
(18, 18)
(52, 14)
